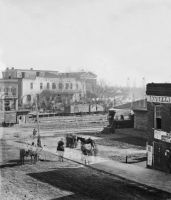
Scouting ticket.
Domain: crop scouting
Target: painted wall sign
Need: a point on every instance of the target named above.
(149, 155)
(162, 135)
(158, 99)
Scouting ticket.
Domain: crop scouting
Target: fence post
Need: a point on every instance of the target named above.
(126, 157)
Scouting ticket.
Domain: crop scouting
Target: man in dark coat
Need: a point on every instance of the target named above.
(60, 149)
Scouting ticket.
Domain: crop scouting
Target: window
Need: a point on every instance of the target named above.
(67, 86)
(13, 90)
(23, 74)
(7, 105)
(60, 85)
(71, 86)
(53, 86)
(48, 85)
(77, 86)
(37, 73)
(158, 111)
(157, 117)
(41, 86)
(28, 98)
(59, 99)
(6, 90)
(31, 85)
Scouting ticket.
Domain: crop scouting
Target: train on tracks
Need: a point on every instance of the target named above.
(8, 118)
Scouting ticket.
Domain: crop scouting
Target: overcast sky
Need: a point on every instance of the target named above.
(115, 39)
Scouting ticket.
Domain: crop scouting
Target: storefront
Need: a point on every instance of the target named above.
(159, 126)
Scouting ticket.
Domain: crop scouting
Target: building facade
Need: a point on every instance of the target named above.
(69, 87)
(140, 115)
(159, 125)
(9, 94)
(8, 101)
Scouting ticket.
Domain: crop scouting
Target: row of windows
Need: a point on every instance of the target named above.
(54, 86)
(8, 90)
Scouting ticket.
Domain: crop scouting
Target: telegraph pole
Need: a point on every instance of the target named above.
(37, 116)
(38, 127)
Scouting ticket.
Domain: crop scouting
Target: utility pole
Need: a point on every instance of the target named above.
(38, 127)
(37, 115)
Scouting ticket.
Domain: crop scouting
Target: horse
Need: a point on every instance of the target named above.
(71, 141)
(87, 151)
(86, 141)
(25, 153)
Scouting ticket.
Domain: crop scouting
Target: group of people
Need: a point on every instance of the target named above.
(60, 146)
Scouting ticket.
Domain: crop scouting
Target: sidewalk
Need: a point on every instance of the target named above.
(145, 176)
(141, 175)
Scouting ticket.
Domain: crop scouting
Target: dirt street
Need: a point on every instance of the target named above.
(52, 179)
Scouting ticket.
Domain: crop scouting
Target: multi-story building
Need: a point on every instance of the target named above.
(69, 87)
(8, 100)
(159, 126)
(9, 94)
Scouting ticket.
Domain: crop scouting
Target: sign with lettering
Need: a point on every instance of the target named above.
(158, 99)
(162, 135)
(149, 155)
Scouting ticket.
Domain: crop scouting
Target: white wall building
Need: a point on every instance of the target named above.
(72, 87)
(61, 86)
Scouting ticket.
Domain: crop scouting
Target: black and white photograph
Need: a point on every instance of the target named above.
(85, 99)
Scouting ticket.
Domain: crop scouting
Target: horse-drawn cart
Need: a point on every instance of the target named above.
(31, 151)
(71, 141)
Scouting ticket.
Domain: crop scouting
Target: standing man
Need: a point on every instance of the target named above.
(60, 149)
(34, 138)
(34, 132)
(39, 141)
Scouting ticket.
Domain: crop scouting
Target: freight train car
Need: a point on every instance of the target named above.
(8, 118)
(84, 109)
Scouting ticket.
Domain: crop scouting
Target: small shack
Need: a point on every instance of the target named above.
(140, 114)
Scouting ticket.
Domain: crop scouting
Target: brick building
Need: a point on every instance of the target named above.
(159, 125)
